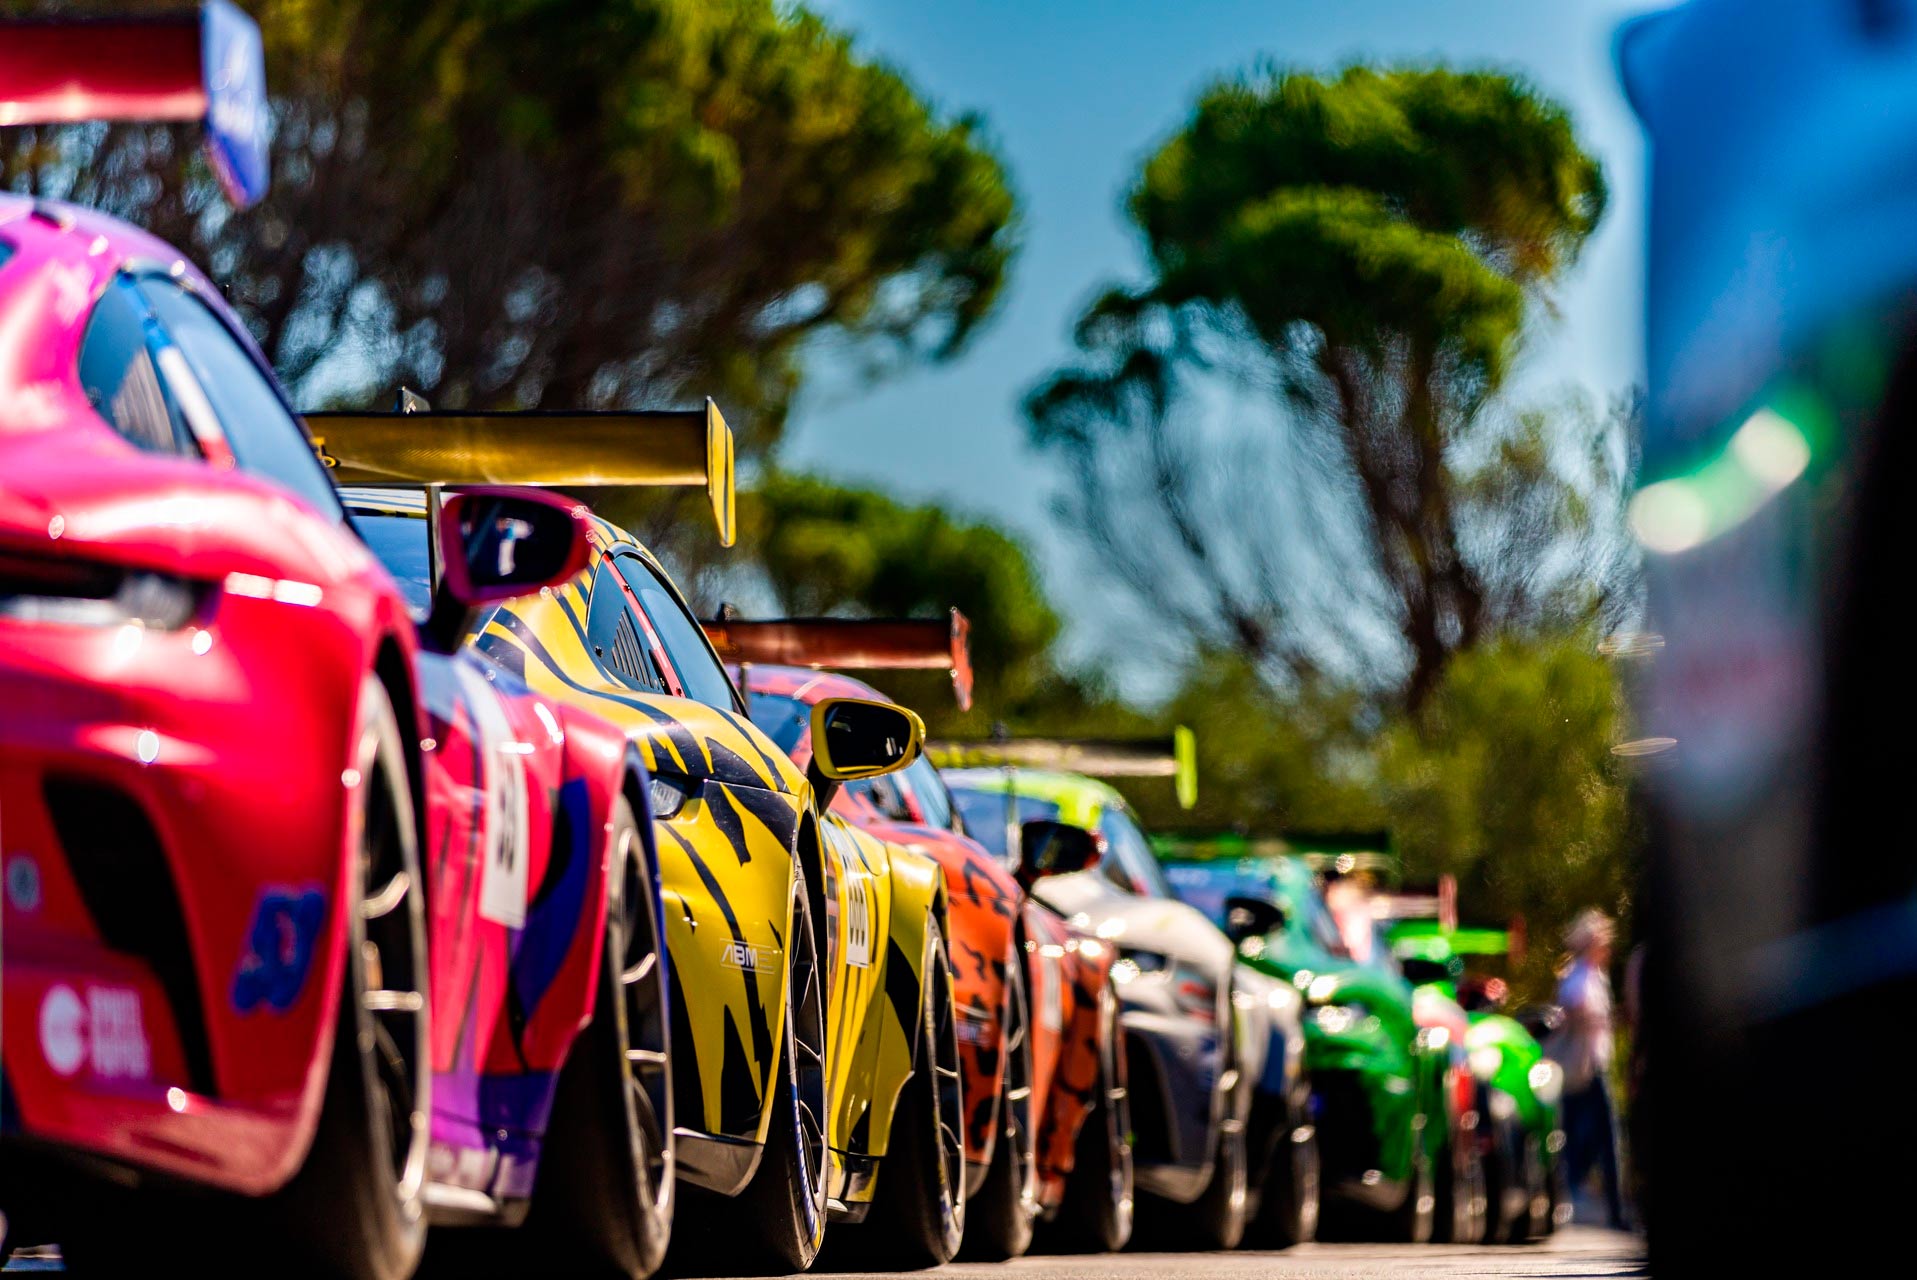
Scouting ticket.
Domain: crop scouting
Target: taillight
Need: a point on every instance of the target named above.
(65, 591)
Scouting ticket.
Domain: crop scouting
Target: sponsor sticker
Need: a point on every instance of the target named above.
(103, 1028)
(749, 957)
(279, 949)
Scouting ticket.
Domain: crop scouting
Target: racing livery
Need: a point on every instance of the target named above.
(1035, 1010)
(1390, 1091)
(810, 996)
(1194, 1057)
(244, 787)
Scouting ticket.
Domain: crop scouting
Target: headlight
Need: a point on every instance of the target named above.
(1335, 1019)
(67, 593)
(1321, 990)
(668, 794)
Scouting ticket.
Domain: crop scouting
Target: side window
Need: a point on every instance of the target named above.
(122, 382)
(700, 674)
(615, 637)
(266, 438)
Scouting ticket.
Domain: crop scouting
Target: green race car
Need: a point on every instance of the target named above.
(1519, 1087)
(1392, 1098)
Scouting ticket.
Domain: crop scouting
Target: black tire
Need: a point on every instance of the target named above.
(1415, 1218)
(776, 1225)
(1289, 1206)
(1460, 1201)
(1216, 1220)
(918, 1209)
(999, 1218)
(1098, 1210)
(603, 1203)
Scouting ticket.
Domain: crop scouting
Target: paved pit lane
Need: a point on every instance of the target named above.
(1579, 1252)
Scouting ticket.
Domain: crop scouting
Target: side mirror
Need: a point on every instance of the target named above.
(855, 738)
(1252, 918)
(1047, 848)
(1420, 972)
(495, 544)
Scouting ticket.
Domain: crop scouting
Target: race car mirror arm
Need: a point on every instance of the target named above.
(854, 738)
(1047, 848)
(498, 543)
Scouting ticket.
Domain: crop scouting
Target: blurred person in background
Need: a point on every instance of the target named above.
(1582, 1045)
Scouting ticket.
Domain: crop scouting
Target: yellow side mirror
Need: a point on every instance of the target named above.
(856, 738)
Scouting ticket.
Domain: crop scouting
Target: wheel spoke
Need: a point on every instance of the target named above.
(393, 1002)
(390, 895)
(638, 972)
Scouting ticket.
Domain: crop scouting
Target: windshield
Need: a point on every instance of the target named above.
(785, 720)
(986, 815)
(400, 542)
(1127, 850)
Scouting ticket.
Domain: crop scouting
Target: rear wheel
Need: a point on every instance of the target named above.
(918, 1211)
(603, 1203)
(1095, 1215)
(777, 1223)
(999, 1218)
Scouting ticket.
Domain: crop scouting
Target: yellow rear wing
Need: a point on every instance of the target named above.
(1175, 757)
(668, 447)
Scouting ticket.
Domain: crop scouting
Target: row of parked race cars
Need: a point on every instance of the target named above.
(386, 848)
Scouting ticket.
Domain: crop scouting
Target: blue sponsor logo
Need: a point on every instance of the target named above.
(279, 950)
(238, 121)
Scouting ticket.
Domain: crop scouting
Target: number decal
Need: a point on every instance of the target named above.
(504, 877)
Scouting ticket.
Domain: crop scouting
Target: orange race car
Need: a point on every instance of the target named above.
(1039, 1038)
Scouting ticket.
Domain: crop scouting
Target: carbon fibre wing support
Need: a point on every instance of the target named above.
(1175, 757)
(665, 448)
(207, 64)
(854, 644)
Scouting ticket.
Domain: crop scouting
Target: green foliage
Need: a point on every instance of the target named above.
(1374, 245)
(1508, 783)
(520, 203)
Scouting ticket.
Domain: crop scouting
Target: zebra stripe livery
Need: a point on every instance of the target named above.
(727, 859)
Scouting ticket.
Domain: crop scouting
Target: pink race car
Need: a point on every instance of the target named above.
(316, 928)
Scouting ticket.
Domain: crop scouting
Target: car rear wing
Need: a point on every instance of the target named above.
(206, 64)
(1175, 757)
(853, 644)
(1217, 846)
(415, 446)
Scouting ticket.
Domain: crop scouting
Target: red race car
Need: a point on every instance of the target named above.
(242, 784)
(1038, 1037)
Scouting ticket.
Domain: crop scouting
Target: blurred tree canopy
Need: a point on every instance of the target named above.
(1368, 250)
(540, 203)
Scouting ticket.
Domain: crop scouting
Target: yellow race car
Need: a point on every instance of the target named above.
(814, 1038)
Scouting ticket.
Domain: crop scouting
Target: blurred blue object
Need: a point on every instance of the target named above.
(1783, 190)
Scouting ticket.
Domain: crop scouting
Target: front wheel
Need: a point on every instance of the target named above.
(918, 1211)
(1288, 1210)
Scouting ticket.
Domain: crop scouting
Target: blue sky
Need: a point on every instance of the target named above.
(1076, 93)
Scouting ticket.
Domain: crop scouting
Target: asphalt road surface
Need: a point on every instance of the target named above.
(1577, 1252)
